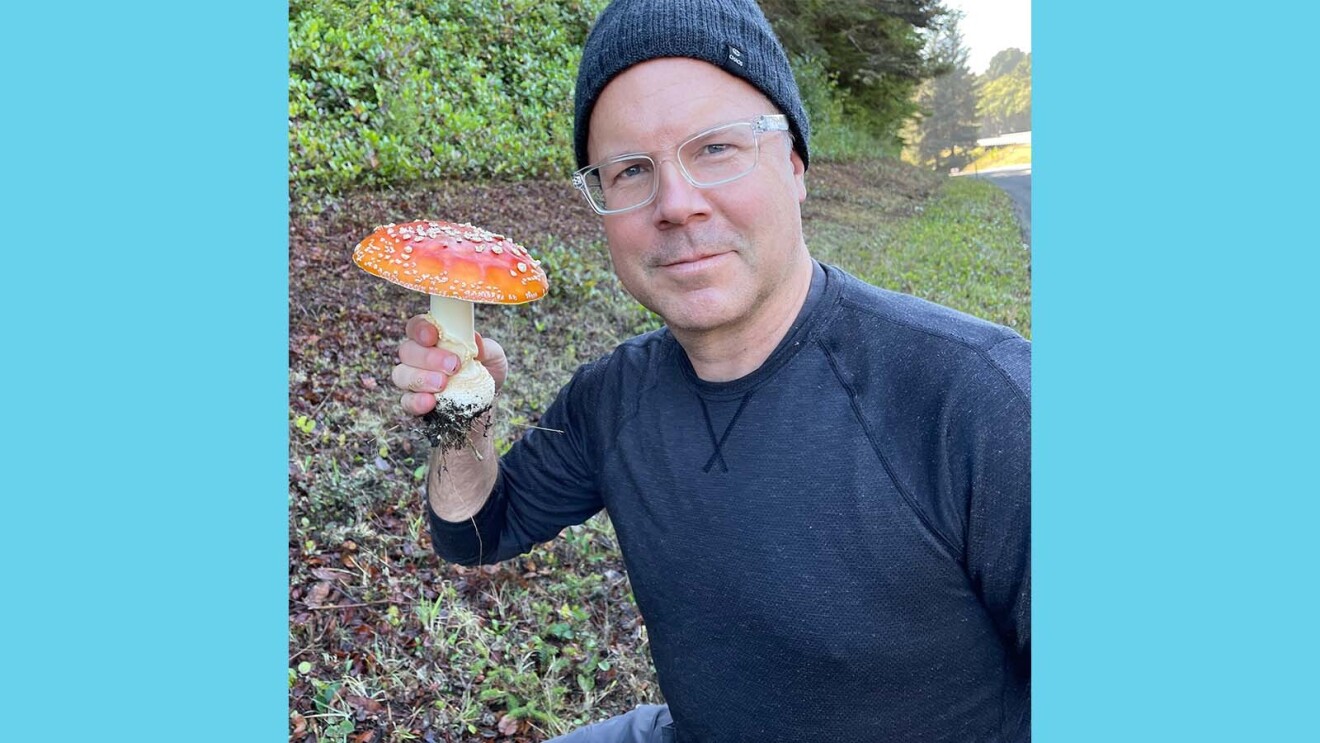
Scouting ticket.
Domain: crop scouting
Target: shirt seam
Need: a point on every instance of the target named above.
(926, 521)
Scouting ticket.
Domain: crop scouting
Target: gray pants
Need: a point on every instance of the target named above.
(649, 723)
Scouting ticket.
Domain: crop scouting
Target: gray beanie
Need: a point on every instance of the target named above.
(733, 35)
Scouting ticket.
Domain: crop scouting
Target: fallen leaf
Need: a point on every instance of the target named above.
(508, 725)
(365, 704)
(368, 381)
(319, 593)
(299, 724)
(329, 574)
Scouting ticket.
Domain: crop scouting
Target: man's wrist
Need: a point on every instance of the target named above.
(459, 480)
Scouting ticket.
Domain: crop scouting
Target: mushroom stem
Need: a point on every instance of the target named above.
(471, 389)
(454, 318)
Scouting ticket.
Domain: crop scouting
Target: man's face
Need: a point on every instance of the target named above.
(703, 259)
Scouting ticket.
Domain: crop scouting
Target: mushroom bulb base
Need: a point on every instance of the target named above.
(469, 391)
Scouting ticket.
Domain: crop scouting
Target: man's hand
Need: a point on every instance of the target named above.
(425, 369)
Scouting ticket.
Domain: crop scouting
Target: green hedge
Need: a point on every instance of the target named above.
(392, 91)
(389, 92)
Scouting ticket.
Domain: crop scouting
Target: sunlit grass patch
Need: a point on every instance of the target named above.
(984, 158)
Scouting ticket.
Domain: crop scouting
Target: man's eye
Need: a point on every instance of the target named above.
(630, 173)
(718, 151)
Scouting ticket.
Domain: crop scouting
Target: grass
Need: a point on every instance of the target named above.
(388, 643)
(832, 142)
(953, 241)
(998, 157)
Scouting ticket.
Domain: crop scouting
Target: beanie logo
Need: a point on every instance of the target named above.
(736, 56)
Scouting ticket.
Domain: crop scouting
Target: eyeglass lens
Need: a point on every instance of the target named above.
(708, 159)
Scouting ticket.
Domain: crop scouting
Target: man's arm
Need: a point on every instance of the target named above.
(484, 508)
(459, 481)
(994, 469)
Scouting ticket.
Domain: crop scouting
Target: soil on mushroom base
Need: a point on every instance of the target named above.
(451, 431)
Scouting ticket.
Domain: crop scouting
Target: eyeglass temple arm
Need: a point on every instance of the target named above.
(770, 123)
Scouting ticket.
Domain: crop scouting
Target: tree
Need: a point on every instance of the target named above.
(873, 48)
(1004, 61)
(1005, 105)
(946, 127)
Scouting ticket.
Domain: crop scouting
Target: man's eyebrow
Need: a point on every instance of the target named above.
(621, 154)
(685, 137)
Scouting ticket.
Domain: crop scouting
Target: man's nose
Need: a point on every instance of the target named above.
(676, 199)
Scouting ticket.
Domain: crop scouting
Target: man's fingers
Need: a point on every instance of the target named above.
(488, 349)
(491, 355)
(417, 403)
(415, 354)
(422, 330)
(412, 379)
(421, 373)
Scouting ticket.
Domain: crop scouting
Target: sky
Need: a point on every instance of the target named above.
(991, 26)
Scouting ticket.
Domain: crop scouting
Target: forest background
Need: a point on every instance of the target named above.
(391, 92)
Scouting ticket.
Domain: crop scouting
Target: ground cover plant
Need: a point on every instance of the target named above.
(393, 91)
(388, 643)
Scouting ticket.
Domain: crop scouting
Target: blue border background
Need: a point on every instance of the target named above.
(1175, 511)
(1175, 385)
(146, 518)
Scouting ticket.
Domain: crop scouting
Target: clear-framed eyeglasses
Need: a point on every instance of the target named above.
(711, 158)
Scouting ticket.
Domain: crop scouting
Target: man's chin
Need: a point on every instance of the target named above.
(697, 314)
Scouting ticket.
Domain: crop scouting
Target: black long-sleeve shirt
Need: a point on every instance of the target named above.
(836, 546)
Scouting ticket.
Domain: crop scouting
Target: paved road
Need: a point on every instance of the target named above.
(1017, 182)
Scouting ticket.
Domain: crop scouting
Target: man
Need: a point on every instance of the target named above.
(821, 489)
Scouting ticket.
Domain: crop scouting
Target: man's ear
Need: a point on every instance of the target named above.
(799, 173)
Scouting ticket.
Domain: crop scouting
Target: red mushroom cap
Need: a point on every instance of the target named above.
(452, 260)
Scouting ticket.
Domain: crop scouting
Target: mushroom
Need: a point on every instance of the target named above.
(457, 264)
